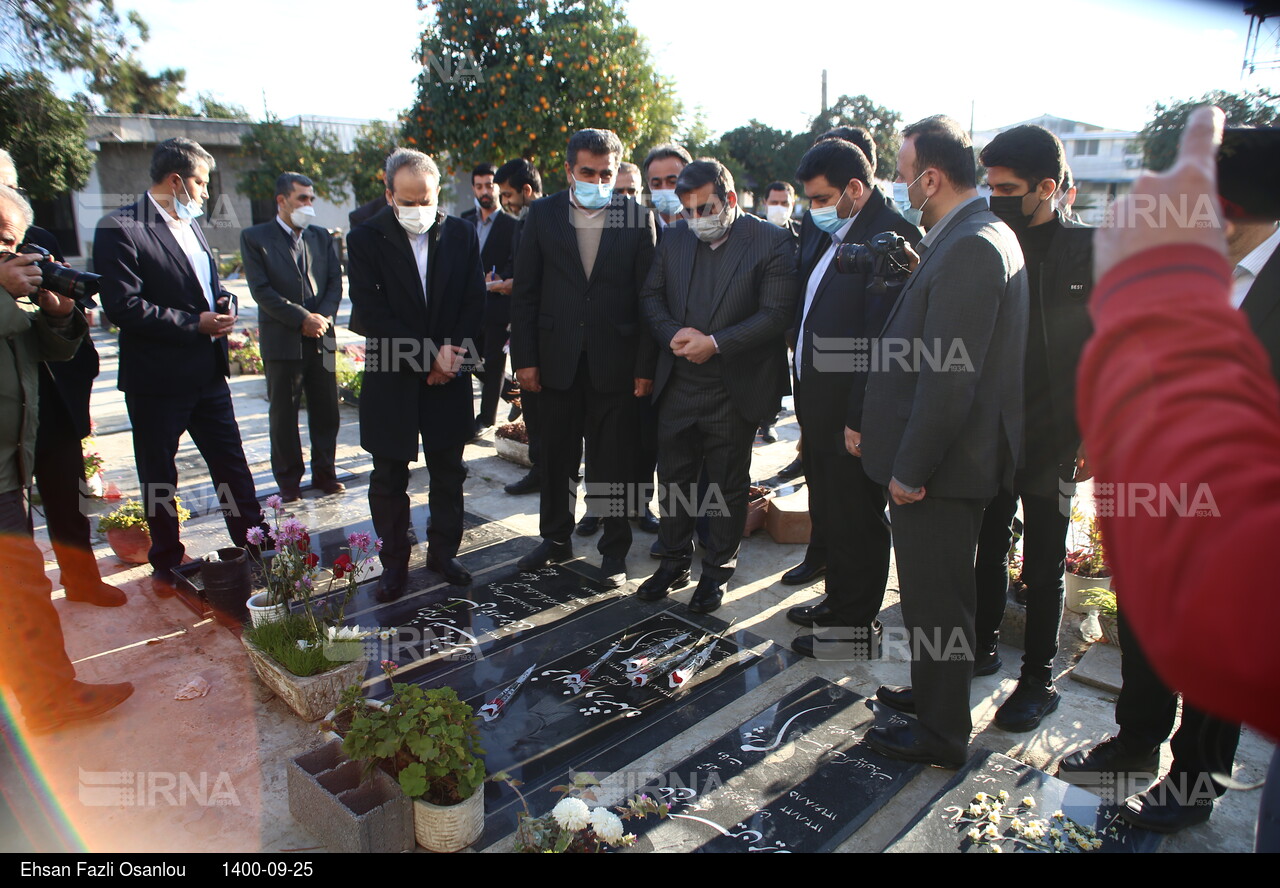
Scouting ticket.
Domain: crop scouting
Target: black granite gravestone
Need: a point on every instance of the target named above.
(949, 823)
(794, 777)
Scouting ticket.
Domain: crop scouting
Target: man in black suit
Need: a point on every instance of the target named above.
(577, 337)
(294, 275)
(837, 313)
(942, 424)
(718, 300)
(65, 387)
(779, 206)
(495, 230)
(417, 282)
(160, 287)
(519, 185)
(1203, 745)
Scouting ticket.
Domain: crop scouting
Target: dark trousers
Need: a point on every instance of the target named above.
(59, 471)
(389, 505)
(646, 449)
(207, 415)
(33, 659)
(531, 411)
(699, 430)
(934, 541)
(847, 507)
(1044, 548)
(495, 371)
(1145, 711)
(607, 422)
(287, 381)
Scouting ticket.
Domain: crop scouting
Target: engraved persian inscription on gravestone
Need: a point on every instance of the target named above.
(794, 777)
(945, 824)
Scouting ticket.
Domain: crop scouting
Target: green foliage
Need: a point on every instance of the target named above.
(279, 640)
(243, 348)
(229, 263)
(1104, 600)
(282, 148)
(762, 154)
(369, 160)
(1090, 559)
(1158, 140)
(881, 122)
(349, 376)
(129, 89)
(212, 108)
(68, 35)
(45, 135)
(131, 514)
(526, 74)
(427, 738)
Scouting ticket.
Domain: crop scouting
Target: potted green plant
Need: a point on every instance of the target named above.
(243, 352)
(126, 530)
(429, 741)
(1086, 564)
(307, 656)
(92, 466)
(350, 375)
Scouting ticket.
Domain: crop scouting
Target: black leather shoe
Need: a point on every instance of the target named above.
(451, 569)
(80, 702)
(392, 583)
(900, 742)
(1027, 706)
(816, 615)
(1167, 807)
(587, 526)
(656, 551)
(793, 469)
(99, 594)
(614, 571)
(514, 413)
(841, 644)
(545, 554)
(530, 483)
(667, 578)
(648, 522)
(802, 573)
(708, 596)
(988, 663)
(897, 697)
(767, 434)
(1107, 759)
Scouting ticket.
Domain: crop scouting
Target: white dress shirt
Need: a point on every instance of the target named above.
(1248, 268)
(190, 244)
(819, 271)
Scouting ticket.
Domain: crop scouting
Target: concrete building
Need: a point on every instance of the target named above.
(1104, 162)
(123, 144)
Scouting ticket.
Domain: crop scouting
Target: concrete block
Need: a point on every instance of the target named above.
(330, 800)
(788, 518)
(1100, 668)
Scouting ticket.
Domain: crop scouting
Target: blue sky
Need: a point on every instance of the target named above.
(1102, 61)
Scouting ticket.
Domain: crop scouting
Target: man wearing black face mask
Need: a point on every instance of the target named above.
(1025, 167)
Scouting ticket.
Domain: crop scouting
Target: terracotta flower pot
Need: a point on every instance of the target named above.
(131, 544)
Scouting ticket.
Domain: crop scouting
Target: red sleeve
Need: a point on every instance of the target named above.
(1181, 416)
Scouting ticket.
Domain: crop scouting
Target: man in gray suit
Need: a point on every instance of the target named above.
(942, 424)
(719, 299)
(294, 275)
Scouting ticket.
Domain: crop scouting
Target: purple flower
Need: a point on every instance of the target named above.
(291, 531)
(255, 536)
(377, 545)
(275, 503)
(360, 542)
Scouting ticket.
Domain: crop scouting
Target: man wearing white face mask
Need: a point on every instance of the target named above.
(718, 300)
(295, 276)
(417, 281)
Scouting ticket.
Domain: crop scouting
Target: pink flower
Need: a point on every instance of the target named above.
(255, 536)
(291, 531)
(360, 542)
(275, 504)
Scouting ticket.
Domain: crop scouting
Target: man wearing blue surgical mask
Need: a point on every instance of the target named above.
(846, 507)
(577, 337)
(662, 167)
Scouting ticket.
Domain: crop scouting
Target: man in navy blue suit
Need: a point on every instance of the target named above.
(160, 287)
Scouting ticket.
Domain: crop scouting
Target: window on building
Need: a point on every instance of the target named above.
(1085, 147)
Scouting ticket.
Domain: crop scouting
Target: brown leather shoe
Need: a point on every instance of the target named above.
(99, 594)
(80, 702)
(329, 488)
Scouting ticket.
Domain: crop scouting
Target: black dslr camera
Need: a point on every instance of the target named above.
(81, 286)
(884, 257)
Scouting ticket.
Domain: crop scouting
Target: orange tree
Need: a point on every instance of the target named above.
(503, 79)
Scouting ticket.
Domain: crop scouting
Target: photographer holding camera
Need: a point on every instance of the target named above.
(33, 662)
(65, 387)
(846, 507)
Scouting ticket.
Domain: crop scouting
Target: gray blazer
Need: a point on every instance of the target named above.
(755, 301)
(953, 426)
(276, 285)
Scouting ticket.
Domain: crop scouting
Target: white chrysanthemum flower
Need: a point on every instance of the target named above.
(995, 849)
(994, 816)
(974, 835)
(1003, 795)
(1017, 825)
(571, 814)
(606, 825)
(991, 832)
(981, 797)
(977, 810)
(1028, 802)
